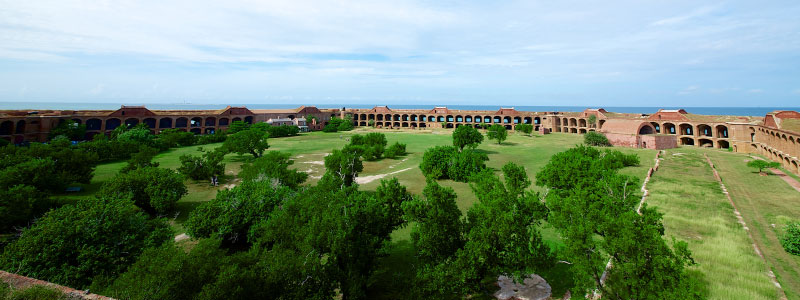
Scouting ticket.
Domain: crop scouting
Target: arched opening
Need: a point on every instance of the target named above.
(646, 130)
(130, 122)
(795, 167)
(211, 121)
(582, 122)
(487, 119)
(380, 117)
(181, 122)
(526, 120)
(573, 130)
(538, 120)
(468, 119)
(723, 144)
(248, 119)
(497, 119)
(450, 118)
(6, 128)
(517, 120)
(371, 117)
(704, 130)
(431, 119)
(459, 119)
(362, 123)
(291, 117)
(77, 121)
(449, 125)
(508, 127)
(656, 126)
(440, 119)
(396, 118)
(224, 121)
(94, 124)
(506, 120)
(573, 122)
(582, 130)
(209, 131)
(196, 122)
(722, 131)
(422, 125)
(669, 128)
(113, 123)
(150, 122)
(687, 141)
(706, 143)
(405, 118)
(405, 124)
(195, 130)
(686, 129)
(478, 119)
(396, 125)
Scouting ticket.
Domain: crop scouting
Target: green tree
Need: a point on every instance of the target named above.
(395, 150)
(310, 120)
(592, 120)
(205, 166)
(436, 161)
(237, 126)
(232, 212)
(465, 163)
(761, 164)
(593, 138)
(584, 182)
(437, 230)
(74, 244)
(466, 136)
(497, 132)
(175, 137)
(251, 141)
(342, 168)
(141, 159)
(524, 128)
(155, 190)
(69, 129)
(273, 168)
(19, 205)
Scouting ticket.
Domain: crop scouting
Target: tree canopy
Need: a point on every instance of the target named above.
(155, 190)
(497, 132)
(252, 141)
(761, 164)
(524, 128)
(466, 136)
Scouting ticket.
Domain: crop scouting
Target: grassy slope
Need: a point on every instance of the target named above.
(695, 210)
(767, 203)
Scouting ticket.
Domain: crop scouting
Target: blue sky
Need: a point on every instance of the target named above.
(583, 53)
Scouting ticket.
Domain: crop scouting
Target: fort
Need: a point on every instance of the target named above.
(775, 136)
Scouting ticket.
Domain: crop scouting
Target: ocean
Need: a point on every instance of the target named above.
(733, 111)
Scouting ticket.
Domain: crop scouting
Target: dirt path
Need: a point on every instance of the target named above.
(791, 181)
(741, 221)
(368, 179)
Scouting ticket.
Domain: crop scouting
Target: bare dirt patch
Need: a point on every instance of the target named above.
(371, 178)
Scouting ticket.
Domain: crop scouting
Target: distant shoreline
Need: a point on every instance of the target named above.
(732, 111)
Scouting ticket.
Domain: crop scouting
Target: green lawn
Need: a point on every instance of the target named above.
(695, 210)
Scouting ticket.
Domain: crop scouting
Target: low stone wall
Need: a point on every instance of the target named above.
(22, 282)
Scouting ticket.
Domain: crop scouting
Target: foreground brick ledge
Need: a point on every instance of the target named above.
(21, 282)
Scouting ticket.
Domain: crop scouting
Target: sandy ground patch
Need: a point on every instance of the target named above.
(181, 237)
(368, 179)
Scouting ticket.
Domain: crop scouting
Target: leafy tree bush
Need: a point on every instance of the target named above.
(761, 164)
(464, 164)
(791, 238)
(338, 124)
(592, 120)
(237, 126)
(4, 142)
(155, 190)
(251, 141)
(342, 167)
(139, 135)
(593, 138)
(524, 128)
(273, 168)
(466, 136)
(47, 167)
(19, 204)
(141, 159)
(73, 244)
(437, 230)
(497, 132)
(230, 215)
(436, 161)
(216, 137)
(370, 146)
(283, 131)
(69, 129)
(175, 137)
(395, 150)
(584, 182)
(204, 166)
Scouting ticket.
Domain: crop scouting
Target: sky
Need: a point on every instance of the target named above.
(591, 53)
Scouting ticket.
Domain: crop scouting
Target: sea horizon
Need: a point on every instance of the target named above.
(701, 110)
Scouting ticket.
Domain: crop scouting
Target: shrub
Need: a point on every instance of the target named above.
(466, 136)
(395, 150)
(273, 166)
(202, 167)
(19, 205)
(370, 146)
(155, 190)
(791, 238)
(436, 161)
(253, 141)
(216, 137)
(497, 132)
(466, 163)
(593, 138)
(175, 137)
(524, 128)
(74, 244)
(338, 124)
(761, 164)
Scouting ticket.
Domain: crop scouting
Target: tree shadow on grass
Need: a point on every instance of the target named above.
(487, 152)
